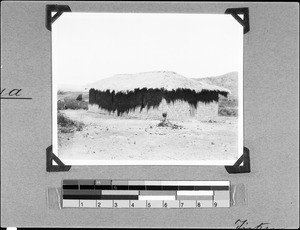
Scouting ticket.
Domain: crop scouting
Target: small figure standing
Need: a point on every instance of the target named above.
(164, 117)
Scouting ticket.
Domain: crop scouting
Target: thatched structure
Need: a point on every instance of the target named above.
(124, 94)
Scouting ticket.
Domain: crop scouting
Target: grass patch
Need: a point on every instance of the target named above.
(72, 104)
(228, 107)
(228, 112)
(67, 125)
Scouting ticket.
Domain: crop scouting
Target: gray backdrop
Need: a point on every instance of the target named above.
(271, 125)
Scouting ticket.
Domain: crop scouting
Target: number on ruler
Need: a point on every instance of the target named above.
(115, 204)
(81, 204)
(181, 204)
(198, 204)
(132, 205)
(98, 204)
(148, 204)
(215, 204)
(165, 205)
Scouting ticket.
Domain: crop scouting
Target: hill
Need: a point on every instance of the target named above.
(155, 80)
(228, 81)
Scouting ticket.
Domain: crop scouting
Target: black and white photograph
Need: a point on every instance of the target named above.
(147, 89)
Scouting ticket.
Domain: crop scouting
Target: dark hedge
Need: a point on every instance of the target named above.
(148, 98)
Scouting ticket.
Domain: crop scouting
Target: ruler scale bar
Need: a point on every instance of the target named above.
(119, 197)
(158, 193)
(157, 197)
(89, 187)
(118, 182)
(81, 197)
(70, 187)
(120, 192)
(195, 193)
(145, 194)
(195, 198)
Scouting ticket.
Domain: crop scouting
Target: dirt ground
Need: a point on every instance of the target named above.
(109, 138)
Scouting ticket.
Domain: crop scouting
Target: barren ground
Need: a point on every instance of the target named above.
(109, 138)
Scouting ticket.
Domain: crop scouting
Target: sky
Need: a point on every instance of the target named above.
(87, 47)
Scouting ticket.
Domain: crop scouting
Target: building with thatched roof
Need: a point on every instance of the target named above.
(149, 95)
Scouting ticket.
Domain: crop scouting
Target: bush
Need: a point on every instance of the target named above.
(60, 105)
(67, 125)
(228, 102)
(228, 107)
(229, 112)
(79, 98)
(72, 104)
(60, 92)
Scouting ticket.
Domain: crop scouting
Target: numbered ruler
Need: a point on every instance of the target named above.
(145, 194)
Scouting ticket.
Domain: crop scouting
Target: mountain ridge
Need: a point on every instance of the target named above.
(228, 81)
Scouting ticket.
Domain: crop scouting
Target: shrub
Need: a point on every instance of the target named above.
(67, 125)
(72, 104)
(60, 105)
(228, 107)
(60, 92)
(79, 98)
(229, 112)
